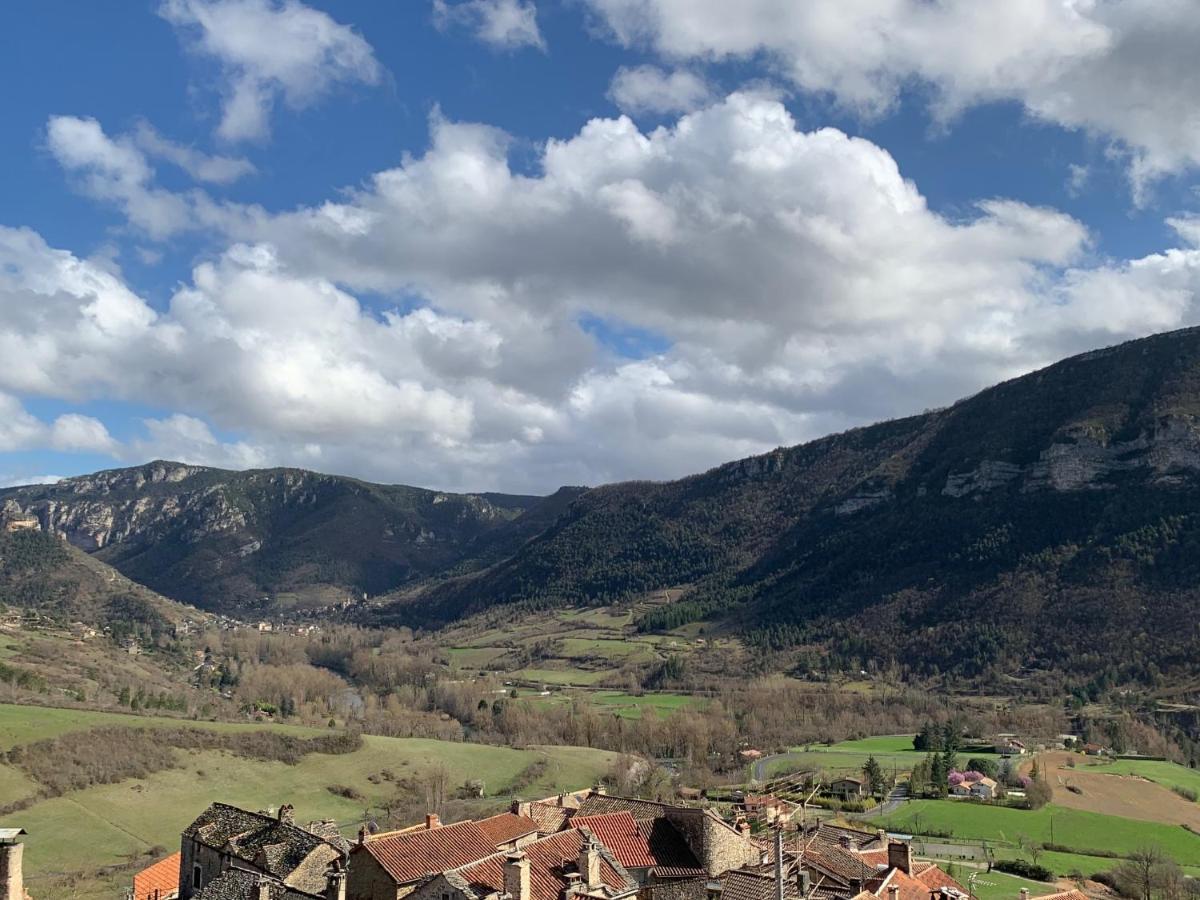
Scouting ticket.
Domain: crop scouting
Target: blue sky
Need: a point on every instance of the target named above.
(505, 244)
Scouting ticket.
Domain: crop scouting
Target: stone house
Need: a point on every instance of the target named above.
(716, 845)
(652, 852)
(226, 850)
(847, 788)
(567, 865)
(390, 865)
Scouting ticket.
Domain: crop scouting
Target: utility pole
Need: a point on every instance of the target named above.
(778, 862)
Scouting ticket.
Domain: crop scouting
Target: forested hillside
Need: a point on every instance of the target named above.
(1038, 524)
(257, 542)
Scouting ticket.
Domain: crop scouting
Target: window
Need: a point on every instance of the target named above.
(197, 878)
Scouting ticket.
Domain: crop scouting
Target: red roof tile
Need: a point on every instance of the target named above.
(411, 855)
(159, 881)
(620, 834)
(550, 859)
(507, 827)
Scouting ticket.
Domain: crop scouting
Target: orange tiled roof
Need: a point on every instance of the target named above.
(620, 834)
(411, 855)
(550, 861)
(507, 827)
(1064, 895)
(159, 881)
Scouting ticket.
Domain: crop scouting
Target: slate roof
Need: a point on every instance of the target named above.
(263, 841)
(744, 884)
(237, 884)
(599, 804)
(507, 827)
(159, 881)
(550, 817)
(550, 861)
(410, 855)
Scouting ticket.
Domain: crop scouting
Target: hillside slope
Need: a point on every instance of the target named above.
(253, 542)
(1037, 525)
(42, 573)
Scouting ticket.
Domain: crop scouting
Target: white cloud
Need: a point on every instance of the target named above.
(7, 481)
(649, 89)
(71, 432)
(115, 171)
(269, 49)
(799, 282)
(201, 166)
(1126, 70)
(507, 24)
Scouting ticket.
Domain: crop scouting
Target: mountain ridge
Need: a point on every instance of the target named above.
(1019, 529)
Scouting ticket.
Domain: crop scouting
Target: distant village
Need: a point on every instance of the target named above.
(586, 844)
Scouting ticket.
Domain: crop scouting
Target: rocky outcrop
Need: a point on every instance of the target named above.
(1083, 459)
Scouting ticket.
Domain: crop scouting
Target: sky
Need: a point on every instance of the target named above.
(515, 244)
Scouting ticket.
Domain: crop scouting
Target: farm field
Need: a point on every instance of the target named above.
(1133, 789)
(124, 820)
(26, 724)
(1080, 830)
(894, 753)
(631, 707)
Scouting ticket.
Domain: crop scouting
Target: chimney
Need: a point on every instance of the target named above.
(600, 789)
(1024, 893)
(900, 856)
(893, 892)
(287, 815)
(589, 863)
(805, 883)
(432, 821)
(521, 808)
(845, 842)
(335, 883)
(12, 881)
(264, 890)
(362, 835)
(743, 826)
(516, 876)
(881, 836)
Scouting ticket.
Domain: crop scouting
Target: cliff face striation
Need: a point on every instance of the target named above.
(236, 541)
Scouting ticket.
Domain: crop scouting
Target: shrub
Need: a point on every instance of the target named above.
(1024, 869)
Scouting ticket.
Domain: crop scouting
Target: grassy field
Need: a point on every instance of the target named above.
(996, 885)
(26, 724)
(1168, 774)
(631, 707)
(1079, 830)
(105, 824)
(560, 676)
(893, 752)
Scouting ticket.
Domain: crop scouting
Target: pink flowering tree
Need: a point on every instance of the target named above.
(972, 776)
(955, 778)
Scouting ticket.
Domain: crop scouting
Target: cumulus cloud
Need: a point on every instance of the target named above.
(115, 171)
(21, 430)
(213, 169)
(797, 282)
(1126, 70)
(649, 89)
(271, 49)
(507, 24)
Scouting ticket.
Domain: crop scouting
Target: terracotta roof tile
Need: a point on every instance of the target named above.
(411, 855)
(550, 861)
(507, 827)
(620, 834)
(159, 881)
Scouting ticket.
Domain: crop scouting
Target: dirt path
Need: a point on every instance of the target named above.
(1092, 789)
